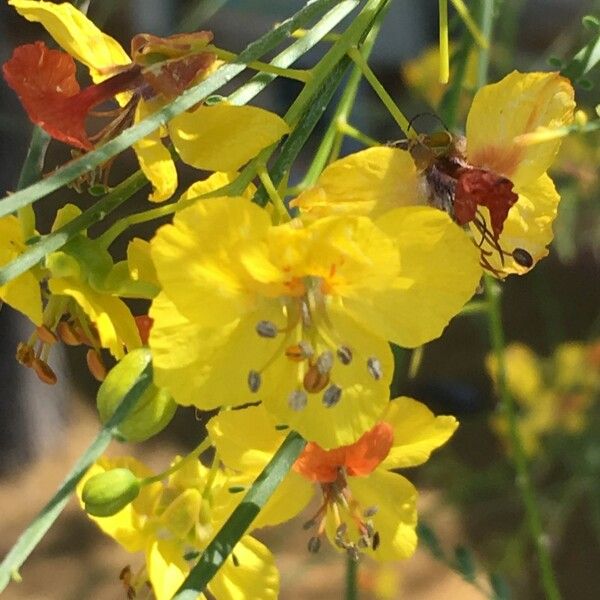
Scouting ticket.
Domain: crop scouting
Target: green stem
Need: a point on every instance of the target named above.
(444, 47)
(351, 578)
(298, 74)
(30, 173)
(480, 37)
(487, 24)
(534, 522)
(194, 454)
(240, 520)
(351, 131)
(274, 196)
(387, 100)
(9, 569)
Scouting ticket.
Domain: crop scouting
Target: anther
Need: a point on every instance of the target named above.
(325, 362)
(314, 381)
(25, 354)
(305, 314)
(376, 540)
(95, 364)
(300, 351)
(522, 258)
(266, 329)
(370, 511)
(314, 544)
(332, 396)
(235, 560)
(297, 400)
(344, 355)
(254, 381)
(43, 371)
(67, 334)
(374, 368)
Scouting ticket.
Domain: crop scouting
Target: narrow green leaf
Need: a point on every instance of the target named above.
(55, 240)
(189, 98)
(465, 563)
(40, 525)
(238, 523)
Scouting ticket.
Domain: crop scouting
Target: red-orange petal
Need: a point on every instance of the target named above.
(359, 459)
(365, 455)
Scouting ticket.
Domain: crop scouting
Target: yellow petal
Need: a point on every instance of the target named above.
(516, 105)
(371, 182)
(139, 260)
(417, 432)
(439, 272)
(116, 326)
(154, 158)
(396, 517)
(180, 515)
(253, 575)
(527, 226)
(214, 182)
(167, 569)
(181, 352)
(23, 294)
(198, 257)
(76, 34)
(245, 439)
(224, 137)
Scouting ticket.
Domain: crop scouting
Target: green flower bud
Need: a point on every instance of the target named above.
(152, 412)
(105, 494)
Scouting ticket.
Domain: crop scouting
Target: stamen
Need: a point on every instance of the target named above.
(46, 335)
(332, 396)
(314, 544)
(376, 540)
(297, 400)
(254, 381)
(314, 381)
(266, 329)
(370, 511)
(305, 314)
(43, 371)
(95, 365)
(522, 257)
(344, 355)
(374, 368)
(67, 334)
(300, 351)
(325, 362)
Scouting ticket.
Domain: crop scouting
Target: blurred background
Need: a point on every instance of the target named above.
(468, 493)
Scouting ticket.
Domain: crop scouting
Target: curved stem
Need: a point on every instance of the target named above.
(351, 578)
(534, 522)
(443, 44)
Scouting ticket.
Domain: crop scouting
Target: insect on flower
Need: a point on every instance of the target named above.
(455, 186)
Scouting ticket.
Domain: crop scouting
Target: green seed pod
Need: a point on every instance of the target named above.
(105, 494)
(154, 409)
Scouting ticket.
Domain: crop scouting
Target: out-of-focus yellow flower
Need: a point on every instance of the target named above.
(487, 181)
(366, 506)
(214, 138)
(172, 522)
(422, 74)
(300, 317)
(553, 394)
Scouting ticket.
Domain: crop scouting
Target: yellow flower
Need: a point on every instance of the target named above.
(553, 394)
(488, 181)
(300, 317)
(214, 138)
(23, 292)
(366, 506)
(173, 522)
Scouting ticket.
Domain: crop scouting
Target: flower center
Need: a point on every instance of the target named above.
(310, 340)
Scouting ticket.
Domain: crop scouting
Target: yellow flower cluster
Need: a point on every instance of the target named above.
(285, 325)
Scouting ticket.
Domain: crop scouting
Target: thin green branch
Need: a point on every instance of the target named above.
(351, 578)
(444, 48)
(240, 520)
(9, 569)
(534, 522)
